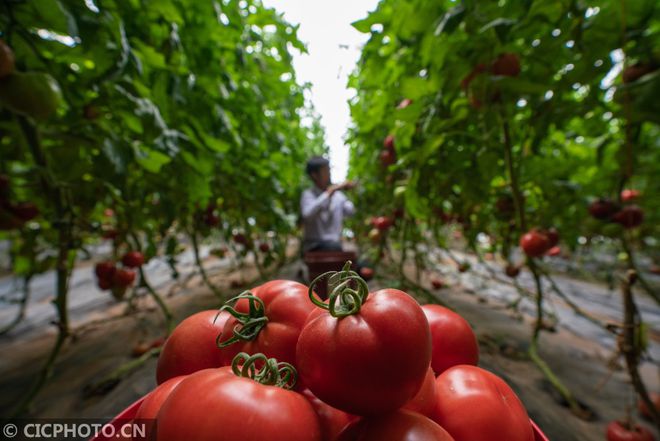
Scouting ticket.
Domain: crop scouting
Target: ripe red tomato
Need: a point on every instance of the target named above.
(157, 343)
(216, 405)
(505, 207)
(534, 243)
(512, 271)
(427, 397)
(192, 346)
(387, 157)
(240, 239)
(629, 195)
(554, 251)
(620, 431)
(105, 270)
(507, 65)
(643, 408)
(603, 209)
(437, 283)
(474, 404)
(332, 420)
(287, 306)
(25, 211)
(139, 349)
(110, 234)
(553, 236)
(404, 103)
(401, 425)
(264, 247)
(133, 259)
(152, 403)
(388, 142)
(211, 219)
(630, 216)
(454, 341)
(370, 362)
(382, 222)
(104, 284)
(123, 277)
(367, 273)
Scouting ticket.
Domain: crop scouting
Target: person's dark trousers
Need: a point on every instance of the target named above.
(325, 245)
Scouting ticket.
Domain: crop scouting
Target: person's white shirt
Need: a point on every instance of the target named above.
(323, 216)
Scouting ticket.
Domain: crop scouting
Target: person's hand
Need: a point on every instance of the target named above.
(346, 185)
(332, 188)
(349, 185)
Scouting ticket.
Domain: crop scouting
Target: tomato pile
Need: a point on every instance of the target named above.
(277, 363)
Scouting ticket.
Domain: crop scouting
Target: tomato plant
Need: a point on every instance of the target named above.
(106, 100)
(513, 120)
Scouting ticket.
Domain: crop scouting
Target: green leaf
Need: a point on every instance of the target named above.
(151, 160)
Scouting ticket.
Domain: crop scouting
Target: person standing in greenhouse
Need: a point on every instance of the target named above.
(323, 208)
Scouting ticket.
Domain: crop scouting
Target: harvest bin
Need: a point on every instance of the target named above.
(130, 411)
(319, 262)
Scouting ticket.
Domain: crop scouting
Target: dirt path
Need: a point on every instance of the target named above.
(574, 352)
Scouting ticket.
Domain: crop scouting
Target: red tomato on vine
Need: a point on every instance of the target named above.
(252, 401)
(534, 243)
(268, 320)
(364, 353)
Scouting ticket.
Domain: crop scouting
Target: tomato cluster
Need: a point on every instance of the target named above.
(388, 154)
(277, 363)
(117, 279)
(629, 216)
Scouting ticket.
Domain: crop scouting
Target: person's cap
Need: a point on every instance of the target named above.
(315, 164)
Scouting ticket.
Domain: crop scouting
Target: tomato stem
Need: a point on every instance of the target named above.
(271, 373)
(250, 323)
(631, 346)
(344, 299)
